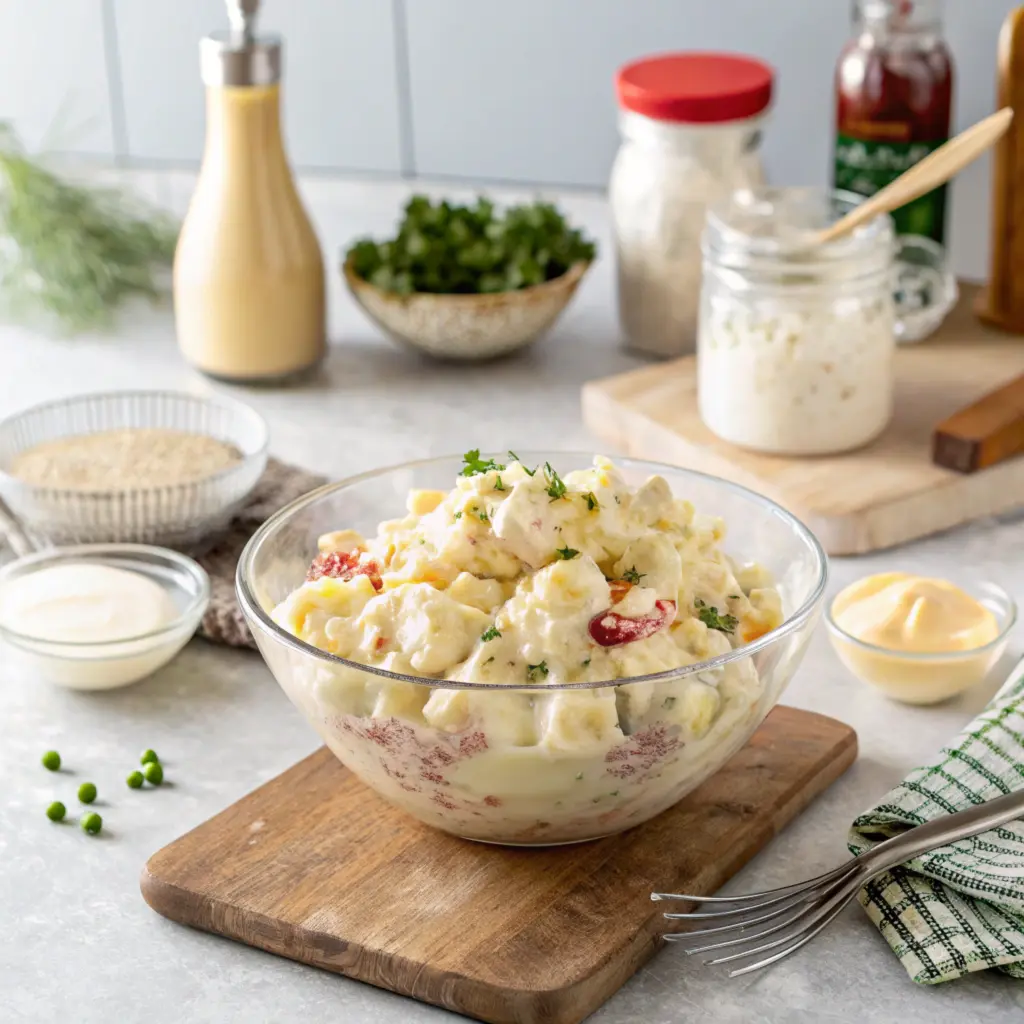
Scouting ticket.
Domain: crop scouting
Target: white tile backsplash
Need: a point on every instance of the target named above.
(470, 89)
(340, 94)
(53, 75)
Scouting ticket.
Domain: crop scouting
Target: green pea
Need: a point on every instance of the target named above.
(149, 757)
(51, 760)
(56, 811)
(92, 823)
(135, 780)
(86, 793)
(154, 773)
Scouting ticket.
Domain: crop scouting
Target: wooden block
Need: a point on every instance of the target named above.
(313, 866)
(884, 494)
(990, 430)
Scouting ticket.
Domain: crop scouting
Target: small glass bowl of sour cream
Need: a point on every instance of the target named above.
(911, 673)
(99, 616)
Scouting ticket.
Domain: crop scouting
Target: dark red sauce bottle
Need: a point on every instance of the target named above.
(894, 86)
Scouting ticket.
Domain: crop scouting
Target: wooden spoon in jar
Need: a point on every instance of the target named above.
(934, 170)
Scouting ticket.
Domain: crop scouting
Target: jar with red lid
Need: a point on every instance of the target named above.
(691, 130)
(894, 87)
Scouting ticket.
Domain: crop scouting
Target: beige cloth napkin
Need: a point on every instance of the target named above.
(280, 484)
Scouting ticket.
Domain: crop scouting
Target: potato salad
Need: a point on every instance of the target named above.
(528, 579)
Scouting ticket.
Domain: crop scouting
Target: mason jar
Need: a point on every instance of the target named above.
(796, 341)
(691, 130)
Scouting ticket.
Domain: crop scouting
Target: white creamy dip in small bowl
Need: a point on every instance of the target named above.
(99, 616)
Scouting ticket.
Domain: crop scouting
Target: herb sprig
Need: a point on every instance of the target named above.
(632, 576)
(449, 248)
(535, 672)
(711, 617)
(556, 485)
(567, 553)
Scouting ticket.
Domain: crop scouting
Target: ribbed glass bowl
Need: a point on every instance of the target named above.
(569, 779)
(184, 515)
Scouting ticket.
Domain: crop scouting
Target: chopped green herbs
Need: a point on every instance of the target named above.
(515, 458)
(711, 618)
(556, 486)
(632, 576)
(567, 553)
(498, 485)
(482, 515)
(586, 663)
(535, 672)
(458, 515)
(591, 500)
(490, 634)
(474, 464)
(448, 248)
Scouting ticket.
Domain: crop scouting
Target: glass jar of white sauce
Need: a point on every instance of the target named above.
(691, 129)
(796, 343)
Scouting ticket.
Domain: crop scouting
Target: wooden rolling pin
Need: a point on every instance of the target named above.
(983, 434)
(1002, 302)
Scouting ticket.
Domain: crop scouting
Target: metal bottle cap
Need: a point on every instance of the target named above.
(239, 56)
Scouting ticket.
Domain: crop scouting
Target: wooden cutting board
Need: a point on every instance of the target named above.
(313, 866)
(882, 495)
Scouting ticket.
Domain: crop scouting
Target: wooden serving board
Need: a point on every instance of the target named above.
(882, 495)
(313, 866)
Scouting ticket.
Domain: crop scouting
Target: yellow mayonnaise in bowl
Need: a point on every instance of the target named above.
(917, 639)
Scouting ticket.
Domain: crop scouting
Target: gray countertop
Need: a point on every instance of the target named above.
(77, 942)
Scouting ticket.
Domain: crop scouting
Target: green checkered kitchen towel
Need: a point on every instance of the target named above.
(959, 908)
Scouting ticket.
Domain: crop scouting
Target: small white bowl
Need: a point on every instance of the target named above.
(912, 677)
(106, 665)
(469, 327)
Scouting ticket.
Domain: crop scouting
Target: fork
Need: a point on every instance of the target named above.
(796, 913)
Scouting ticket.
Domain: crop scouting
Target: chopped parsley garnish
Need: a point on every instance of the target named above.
(632, 576)
(474, 464)
(566, 553)
(709, 615)
(535, 672)
(591, 500)
(458, 515)
(556, 486)
(515, 458)
(491, 633)
(482, 515)
(587, 662)
(498, 485)
(734, 597)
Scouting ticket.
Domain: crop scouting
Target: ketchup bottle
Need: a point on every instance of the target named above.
(894, 85)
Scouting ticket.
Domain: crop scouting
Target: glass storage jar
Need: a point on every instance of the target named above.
(691, 129)
(796, 342)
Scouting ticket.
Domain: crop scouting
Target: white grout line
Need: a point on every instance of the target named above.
(115, 89)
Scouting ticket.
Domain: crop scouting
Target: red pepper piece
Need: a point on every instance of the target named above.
(341, 565)
(609, 629)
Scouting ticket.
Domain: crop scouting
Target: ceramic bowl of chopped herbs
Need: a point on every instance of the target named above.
(469, 282)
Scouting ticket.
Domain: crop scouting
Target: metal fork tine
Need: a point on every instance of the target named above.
(761, 933)
(750, 897)
(699, 933)
(819, 916)
(810, 891)
(802, 941)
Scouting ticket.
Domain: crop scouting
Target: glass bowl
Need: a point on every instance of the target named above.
(184, 515)
(915, 678)
(559, 781)
(108, 664)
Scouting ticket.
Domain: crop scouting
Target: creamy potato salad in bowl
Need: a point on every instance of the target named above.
(533, 648)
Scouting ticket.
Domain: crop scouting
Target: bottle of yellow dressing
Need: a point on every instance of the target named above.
(248, 271)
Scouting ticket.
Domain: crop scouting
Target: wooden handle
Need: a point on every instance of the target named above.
(934, 170)
(987, 432)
